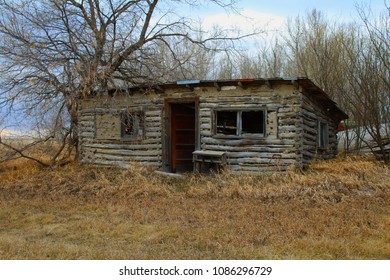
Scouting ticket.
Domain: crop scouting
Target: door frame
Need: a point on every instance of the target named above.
(166, 139)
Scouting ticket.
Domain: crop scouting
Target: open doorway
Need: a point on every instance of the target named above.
(182, 136)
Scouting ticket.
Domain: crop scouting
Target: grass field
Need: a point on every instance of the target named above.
(336, 210)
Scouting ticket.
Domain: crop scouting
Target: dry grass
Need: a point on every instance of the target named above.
(336, 210)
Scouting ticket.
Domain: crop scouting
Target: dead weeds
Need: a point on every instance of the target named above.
(335, 210)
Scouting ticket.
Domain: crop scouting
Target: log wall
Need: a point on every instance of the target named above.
(291, 124)
(312, 113)
(100, 140)
(277, 150)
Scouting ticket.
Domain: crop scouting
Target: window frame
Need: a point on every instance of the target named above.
(138, 125)
(323, 135)
(239, 121)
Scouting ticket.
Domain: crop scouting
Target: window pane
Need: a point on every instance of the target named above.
(128, 124)
(131, 124)
(323, 135)
(252, 122)
(227, 123)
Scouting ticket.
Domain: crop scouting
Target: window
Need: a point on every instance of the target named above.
(323, 135)
(240, 123)
(227, 123)
(252, 122)
(132, 125)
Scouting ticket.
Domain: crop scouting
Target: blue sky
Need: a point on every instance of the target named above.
(271, 15)
(285, 8)
(344, 8)
(276, 12)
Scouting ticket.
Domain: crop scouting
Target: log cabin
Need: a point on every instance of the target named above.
(245, 125)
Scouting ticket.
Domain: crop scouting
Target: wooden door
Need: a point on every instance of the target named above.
(182, 136)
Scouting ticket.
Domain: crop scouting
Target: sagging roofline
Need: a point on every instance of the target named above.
(308, 87)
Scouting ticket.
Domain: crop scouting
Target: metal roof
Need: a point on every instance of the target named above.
(309, 88)
(307, 85)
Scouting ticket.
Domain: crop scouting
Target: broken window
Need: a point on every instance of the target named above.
(132, 125)
(323, 135)
(252, 122)
(227, 123)
(240, 122)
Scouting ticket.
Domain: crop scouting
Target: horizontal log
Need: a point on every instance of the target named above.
(308, 153)
(243, 141)
(86, 114)
(119, 147)
(288, 122)
(127, 158)
(249, 98)
(279, 166)
(206, 126)
(205, 113)
(250, 161)
(268, 149)
(284, 110)
(87, 129)
(86, 134)
(288, 129)
(309, 129)
(153, 129)
(290, 117)
(154, 113)
(310, 115)
(120, 163)
(263, 155)
(87, 122)
(292, 135)
(153, 119)
(133, 152)
(235, 105)
(309, 140)
(205, 121)
(205, 133)
(88, 118)
(256, 166)
(145, 141)
(98, 111)
(257, 171)
(152, 134)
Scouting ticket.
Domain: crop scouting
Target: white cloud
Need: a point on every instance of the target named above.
(247, 21)
(13, 134)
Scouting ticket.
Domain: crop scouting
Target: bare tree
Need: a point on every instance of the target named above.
(270, 61)
(184, 59)
(351, 64)
(54, 52)
(369, 78)
(314, 47)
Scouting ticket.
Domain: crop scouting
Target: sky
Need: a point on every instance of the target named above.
(285, 8)
(273, 14)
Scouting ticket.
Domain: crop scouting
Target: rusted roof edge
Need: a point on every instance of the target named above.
(307, 85)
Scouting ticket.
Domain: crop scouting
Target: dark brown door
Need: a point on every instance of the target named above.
(182, 136)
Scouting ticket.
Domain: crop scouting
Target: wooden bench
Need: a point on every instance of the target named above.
(208, 157)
